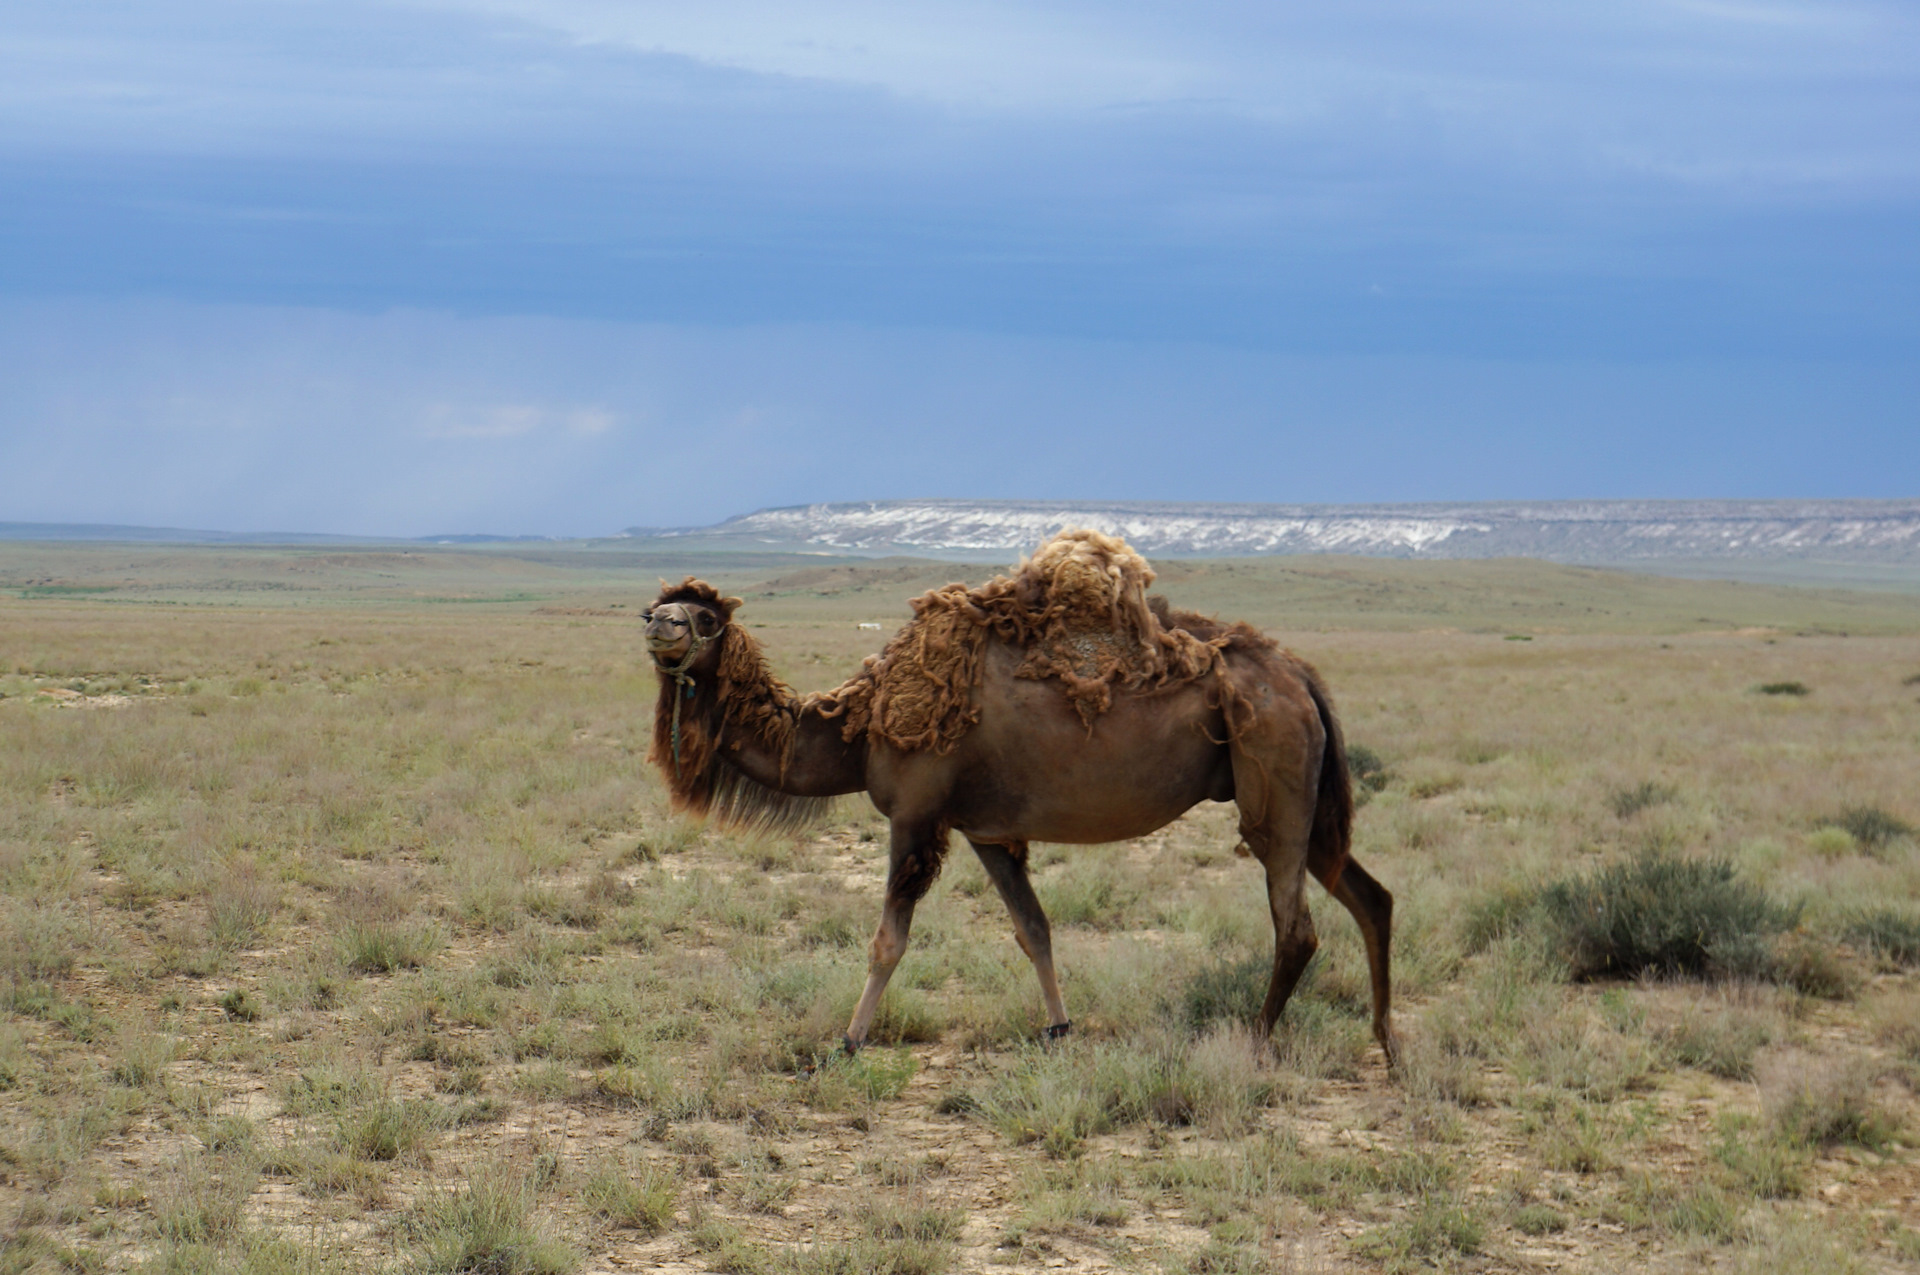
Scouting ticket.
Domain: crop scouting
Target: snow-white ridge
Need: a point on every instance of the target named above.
(1883, 530)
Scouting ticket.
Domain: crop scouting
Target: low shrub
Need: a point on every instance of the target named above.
(1812, 966)
(1662, 913)
(1627, 802)
(1091, 891)
(241, 903)
(1870, 826)
(239, 1005)
(1229, 990)
(1784, 688)
(1367, 768)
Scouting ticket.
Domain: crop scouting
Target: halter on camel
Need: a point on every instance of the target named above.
(682, 677)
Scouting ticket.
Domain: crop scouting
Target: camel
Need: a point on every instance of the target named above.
(1028, 753)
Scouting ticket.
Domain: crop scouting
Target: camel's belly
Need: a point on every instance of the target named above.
(1077, 823)
(1032, 771)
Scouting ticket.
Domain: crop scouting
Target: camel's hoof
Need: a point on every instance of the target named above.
(848, 1046)
(1059, 1031)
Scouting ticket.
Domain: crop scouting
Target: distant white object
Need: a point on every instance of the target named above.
(869, 624)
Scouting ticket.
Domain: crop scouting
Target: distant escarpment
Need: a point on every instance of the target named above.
(1620, 531)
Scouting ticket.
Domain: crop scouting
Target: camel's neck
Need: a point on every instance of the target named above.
(820, 763)
(735, 741)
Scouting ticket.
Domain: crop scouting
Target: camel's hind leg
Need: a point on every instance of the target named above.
(1372, 908)
(1007, 867)
(1276, 776)
(914, 862)
(1294, 943)
(1278, 839)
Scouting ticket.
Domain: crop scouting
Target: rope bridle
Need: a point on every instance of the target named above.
(684, 679)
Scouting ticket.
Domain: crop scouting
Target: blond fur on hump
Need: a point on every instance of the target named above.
(1077, 607)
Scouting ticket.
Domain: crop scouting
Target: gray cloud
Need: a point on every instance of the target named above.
(431, 265)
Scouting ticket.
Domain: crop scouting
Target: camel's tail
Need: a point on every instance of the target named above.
(1332, 837)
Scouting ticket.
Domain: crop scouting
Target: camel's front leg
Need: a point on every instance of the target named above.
(916, 851)
(1007, 867)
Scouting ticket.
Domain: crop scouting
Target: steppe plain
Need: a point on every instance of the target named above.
(345, 929)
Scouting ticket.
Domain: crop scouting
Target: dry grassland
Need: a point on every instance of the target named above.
(354, 936)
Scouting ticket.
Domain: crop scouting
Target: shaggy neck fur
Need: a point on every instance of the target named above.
(736, 701)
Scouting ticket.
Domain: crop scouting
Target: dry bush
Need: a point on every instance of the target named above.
(638, 1196)
(1890, 934)
(242, 899)
(1582, 1055)
(202, 1198)
(1896, 1023)
(1627, 802)
(1721, 1034)
(1433, 1068)
(1093, 889)
(1797, 1244)
(1823, 1100)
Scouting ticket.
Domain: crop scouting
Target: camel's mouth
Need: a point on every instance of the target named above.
(667, 650)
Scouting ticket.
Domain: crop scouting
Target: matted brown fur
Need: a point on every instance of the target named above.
(745, 700)
(1078, 608)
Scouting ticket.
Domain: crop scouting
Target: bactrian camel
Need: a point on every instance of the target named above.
(1049, 726)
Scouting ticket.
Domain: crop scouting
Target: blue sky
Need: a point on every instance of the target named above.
(495, 265)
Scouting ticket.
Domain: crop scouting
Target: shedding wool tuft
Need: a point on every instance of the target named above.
(1078, 608)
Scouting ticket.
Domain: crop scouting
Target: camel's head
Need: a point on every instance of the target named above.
(684, 620)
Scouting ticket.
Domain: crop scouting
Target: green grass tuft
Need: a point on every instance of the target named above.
(636, 1197)
(381, 947)
(489, 1229)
